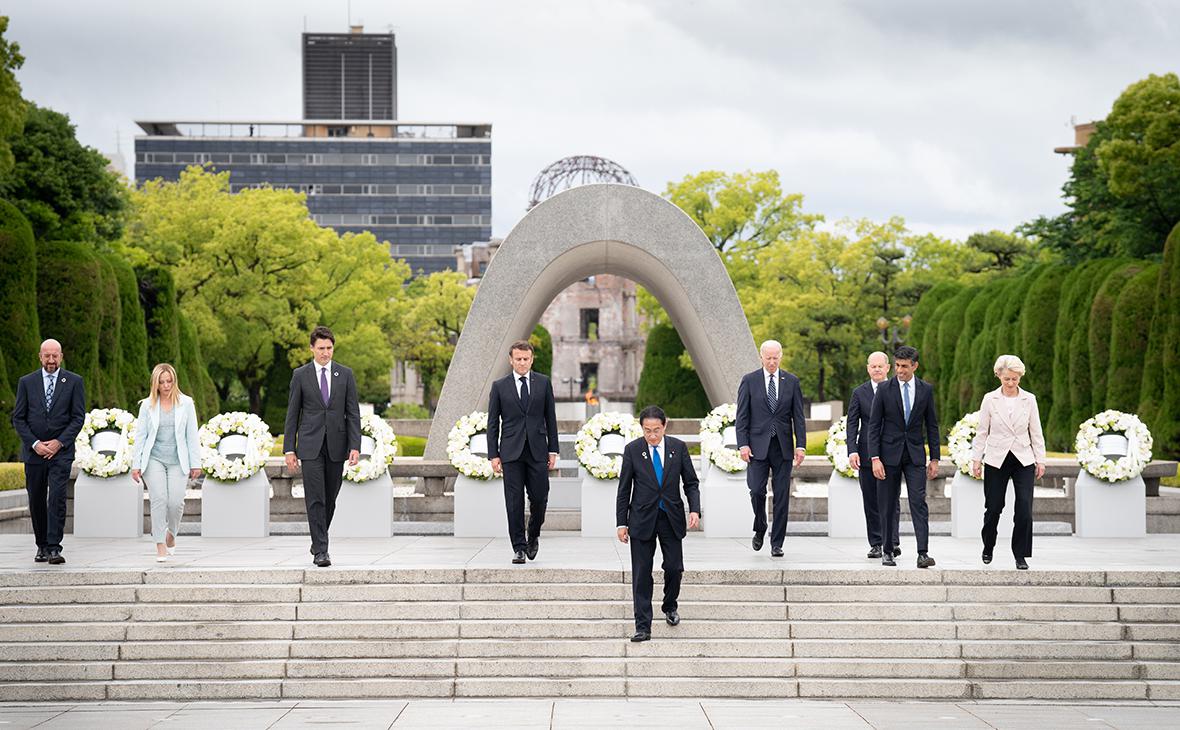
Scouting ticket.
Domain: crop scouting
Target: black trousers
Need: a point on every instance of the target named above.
(778, 468)
(321, 486)
(642, 560)
(868, 496)
(46, 482)
(521, 476)
(889, 502)
(995, 486)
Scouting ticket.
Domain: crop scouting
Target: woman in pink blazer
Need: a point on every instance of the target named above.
(1009, 445)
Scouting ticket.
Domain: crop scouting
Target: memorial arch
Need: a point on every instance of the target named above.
(584, 231)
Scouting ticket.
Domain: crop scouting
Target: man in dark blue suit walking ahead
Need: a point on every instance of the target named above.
(649, 508)
(48, 415)
(903, 419)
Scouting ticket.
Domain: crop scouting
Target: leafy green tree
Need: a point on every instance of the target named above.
(12, 105)
(998, 250)
(665, 382)
(430, 322)
(1129, 330)
(18, 293)
(542, 343)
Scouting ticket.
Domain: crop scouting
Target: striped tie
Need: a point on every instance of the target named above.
(772, 400)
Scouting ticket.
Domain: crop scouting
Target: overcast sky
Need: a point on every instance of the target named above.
(945, 113)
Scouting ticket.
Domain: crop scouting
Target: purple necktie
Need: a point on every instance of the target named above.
(324, 384)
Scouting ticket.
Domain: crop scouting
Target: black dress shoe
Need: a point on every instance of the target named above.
(533, 546)
(897, 552)
(875, 552)
(924, 560)
(776, 552)
(756, 543)
(641, 636)
(518, 558)
(41, 556)
(887, 559)
(987, 557)
(672, 618)
(1021, 565)
(322, 560)
(53, 557)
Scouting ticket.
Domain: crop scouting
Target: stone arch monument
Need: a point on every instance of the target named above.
(581, 232)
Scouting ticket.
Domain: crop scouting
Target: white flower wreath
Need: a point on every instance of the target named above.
(384, 449)
(1139, 444)
(258, 445)
(713, 446)
(837, 448)
(100, 465)
(598, 464)
(961, 442)
(459, 447)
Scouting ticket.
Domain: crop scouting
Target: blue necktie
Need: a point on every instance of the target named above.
(49, 393)
(659, 467)
(905, 396)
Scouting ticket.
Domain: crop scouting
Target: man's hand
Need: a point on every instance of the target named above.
(497, 466)
(1040, 470)
(799, 454)
(54, 446)
(42, 450)
(136, 476)
(353, 457)
(745, 453)
(694, 519)
(977, 469)
(552, 461)
(932, 469)
(292, 462)
(623, 536)
(878, 469)
(854, 461)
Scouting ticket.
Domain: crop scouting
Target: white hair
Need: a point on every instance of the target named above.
(878, 352)
(1009, 362)
(772, 344)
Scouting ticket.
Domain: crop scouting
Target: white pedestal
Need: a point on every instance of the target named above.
(107, 506)
(364, 509)
(967, 506)
(236, 509)
(599, 497)
(725, 504)
(479, 508)
(846, 510)
(1109, 509)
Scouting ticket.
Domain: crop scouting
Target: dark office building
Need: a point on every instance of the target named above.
(350, 75)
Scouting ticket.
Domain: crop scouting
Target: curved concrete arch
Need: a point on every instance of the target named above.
(584, 231)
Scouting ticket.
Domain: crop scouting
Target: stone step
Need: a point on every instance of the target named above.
(368, 688)
(1060, 689)
(200, 670)
(209, 650)
(745, 687)
(1002, 669)
(73, 651)
(541, 687)
(372, 668)
(920, 689)
(11, 671)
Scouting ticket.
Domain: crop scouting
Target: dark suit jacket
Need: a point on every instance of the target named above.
(753, 416)
(889, 436)
(860, 408)
(639, 495)
(63, 421)
(310, 422)
(508, 423)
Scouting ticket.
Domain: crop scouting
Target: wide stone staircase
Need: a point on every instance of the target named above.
(271, 633)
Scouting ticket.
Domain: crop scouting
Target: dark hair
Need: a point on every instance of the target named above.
(905, 352)
(520, 345)
(322, 333)
(653, 412)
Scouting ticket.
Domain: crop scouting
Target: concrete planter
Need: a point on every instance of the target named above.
(479, 508)
(846, 511)
(364, 509)
(107, 506)
(599, 497)
(967, 505)
(725, 504)
(236, 509)
(1109, 509)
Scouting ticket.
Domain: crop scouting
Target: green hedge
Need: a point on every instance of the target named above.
(18, 294)
(1165, 335)
(192, 371)
(963, 375)
(1079, 350)
(542, 343)
(109, 389)
(924, 331)
(1128, 339)
(157, 294)
(983, 350)
(9, 441)
(950, 326)
(1038, 323)
(134, 373)
(664, 382)
(69, 284)
(1101, 324)
(1057, 424)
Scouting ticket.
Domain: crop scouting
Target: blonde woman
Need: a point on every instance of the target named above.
(1009, 445)
(167, 454)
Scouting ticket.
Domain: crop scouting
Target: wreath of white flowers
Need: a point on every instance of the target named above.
(258, 445)
(384, 449)
(459, 447)
(586, 444)
(961, 442)
(836, 448)
(713, 446)
(1139, 444)
(100, 465)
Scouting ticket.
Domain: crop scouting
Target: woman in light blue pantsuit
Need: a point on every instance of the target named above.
(167, 454)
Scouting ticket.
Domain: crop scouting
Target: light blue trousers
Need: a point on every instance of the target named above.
(166, 484)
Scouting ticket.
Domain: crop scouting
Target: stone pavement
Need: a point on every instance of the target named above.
(592, 714)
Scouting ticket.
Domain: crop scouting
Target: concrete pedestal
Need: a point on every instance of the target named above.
(846, 512)
(364, 509)
(107, 506)
(236, 509)
(967, 504)
(479, 508)
(1109, 509)
(725, 504)
(598, 506)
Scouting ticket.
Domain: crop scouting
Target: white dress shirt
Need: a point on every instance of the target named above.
(516, 381)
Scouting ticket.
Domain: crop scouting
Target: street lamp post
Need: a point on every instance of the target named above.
(894, 334)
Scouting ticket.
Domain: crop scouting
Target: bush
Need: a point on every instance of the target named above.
(1058, 414)
(664, 382)
(1038, 323)
(926, 322)
(542, 344)
(963, 374)
(950, 325)
(12, 476)
(983, 348)
(109, 389)
(1165, 329)
(191, 369)
(411, 446)
(157, 294)
(1079, 350)
(68, 288)
(1101, 321)
(406, 410)
(9, 440)
(134, 373)
(1008, 333)
(18, 294)
(1128, 339)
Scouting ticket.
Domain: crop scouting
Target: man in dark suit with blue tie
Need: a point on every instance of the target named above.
(48, 414)
(860, 407)
(522, 445)
(649, 508)
(902, 422)
(769, 423)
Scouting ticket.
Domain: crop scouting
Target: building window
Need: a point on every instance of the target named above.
(588, 329)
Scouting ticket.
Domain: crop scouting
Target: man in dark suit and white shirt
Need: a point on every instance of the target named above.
(860, 407)
(903, 418)
(649, 508)
(323, 429)
(771, 436)
(522, 445)
(48, 414)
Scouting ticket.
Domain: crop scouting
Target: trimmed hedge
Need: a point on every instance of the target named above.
(1038, 323)
(664, 382)
(542, 343)
(69, 285)
(18, 294)
(963, 374)
(134, 374)
(9, 441)
(1079, 350)
(157, 295)
(1128, 339)
(983, 349)
(950, 325)
(1101, 323)
(190, 368)
(1057, 425)
(1165, 330)
(926, 321)
(109, 389)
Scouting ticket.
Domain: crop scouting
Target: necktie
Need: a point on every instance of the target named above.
(524, 393)
(659, 467)
(49, 393)
(905, 396)
(324, 384)
(772, 400)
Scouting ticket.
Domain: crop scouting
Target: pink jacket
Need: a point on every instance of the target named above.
(998, 434)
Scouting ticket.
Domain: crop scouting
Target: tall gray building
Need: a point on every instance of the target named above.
(350, 75)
